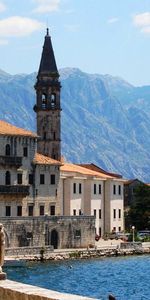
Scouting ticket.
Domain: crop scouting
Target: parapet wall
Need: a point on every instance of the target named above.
(11, 290)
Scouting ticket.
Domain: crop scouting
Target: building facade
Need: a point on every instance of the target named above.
(42, 195)
(29, 181)
(84, 191)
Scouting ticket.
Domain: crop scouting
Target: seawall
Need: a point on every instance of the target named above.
(11, 290)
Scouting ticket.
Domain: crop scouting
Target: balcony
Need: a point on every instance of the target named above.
(14, 189)
(11, 160)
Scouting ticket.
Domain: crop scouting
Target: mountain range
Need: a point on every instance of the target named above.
(105, 120)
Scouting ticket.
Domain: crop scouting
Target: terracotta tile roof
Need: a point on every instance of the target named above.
(9, 129)
(81, 170)
(40, 159)
(98, 169)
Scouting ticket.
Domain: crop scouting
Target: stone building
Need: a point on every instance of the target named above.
(44, 201)
(28, 180)
(92, 191)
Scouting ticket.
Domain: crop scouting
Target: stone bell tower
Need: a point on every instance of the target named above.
(47, 105)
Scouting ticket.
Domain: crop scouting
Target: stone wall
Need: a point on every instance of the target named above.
(60, 232)
(28, 251)
(11, 290)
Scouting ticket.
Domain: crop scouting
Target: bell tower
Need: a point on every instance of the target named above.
(47, 106)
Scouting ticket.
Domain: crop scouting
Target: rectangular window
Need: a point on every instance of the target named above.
(100, 215)
(114, 189)
(80, 188)
(119, 228)
(74, 212)
(19, 211)
(114, 229)
(30, 210)
(41, 210)
(30, 178)
(74, 188)
(119, 213)
(80, 212)
(42, 179)
(52, 178)
(119, 189)
(8, 211)
(94, 212)
(25, 151)
(77, 233)
(100, 189)
(19, 178)
(52, 210)
(94, 189)
(100, 231)
(114, 213)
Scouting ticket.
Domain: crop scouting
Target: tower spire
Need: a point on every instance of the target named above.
(48, 63)
(47, 31)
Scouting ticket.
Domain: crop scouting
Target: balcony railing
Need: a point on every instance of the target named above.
(14, 189)
(11, 160)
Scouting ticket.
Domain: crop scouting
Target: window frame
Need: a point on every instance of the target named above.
(74, 188)
(53, 179)
(94, 189)
(19, 178)
(8, 209)
(25, 151)
(42, 179)
(80, 188)
(114, 213)
(19, 210)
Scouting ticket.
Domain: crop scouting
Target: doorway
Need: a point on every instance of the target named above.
(54, 238)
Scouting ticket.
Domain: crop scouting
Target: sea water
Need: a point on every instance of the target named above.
(127, 278)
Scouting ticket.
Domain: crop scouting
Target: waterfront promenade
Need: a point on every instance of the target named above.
(101, 248)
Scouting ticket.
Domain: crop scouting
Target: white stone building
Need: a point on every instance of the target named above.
(85, 191)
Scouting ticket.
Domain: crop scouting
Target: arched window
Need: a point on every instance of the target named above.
(7, 178)
(53, 100)
(44, 101)
(7, 150)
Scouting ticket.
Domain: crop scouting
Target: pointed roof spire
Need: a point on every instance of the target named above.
(48, 63)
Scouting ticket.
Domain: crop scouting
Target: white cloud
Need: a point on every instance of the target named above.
(44, 6)
(2, 7)
(18, 26)
(113, 20)
(142, 20)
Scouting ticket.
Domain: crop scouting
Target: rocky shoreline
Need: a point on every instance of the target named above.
(76, 254)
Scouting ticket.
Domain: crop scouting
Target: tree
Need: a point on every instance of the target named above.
(139, 213)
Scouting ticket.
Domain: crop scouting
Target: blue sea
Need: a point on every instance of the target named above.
(127, 278)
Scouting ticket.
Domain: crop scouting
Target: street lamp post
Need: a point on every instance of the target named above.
(133, 228)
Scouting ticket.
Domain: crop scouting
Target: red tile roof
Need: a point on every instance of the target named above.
(40, 159)
(9, 129)
(100, 170)
(83, 171)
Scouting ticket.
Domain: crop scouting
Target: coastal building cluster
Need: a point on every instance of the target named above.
(36, 182)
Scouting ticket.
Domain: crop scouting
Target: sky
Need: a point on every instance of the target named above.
(96, 36)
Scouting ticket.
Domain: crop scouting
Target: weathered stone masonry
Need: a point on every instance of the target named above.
(58, 231)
